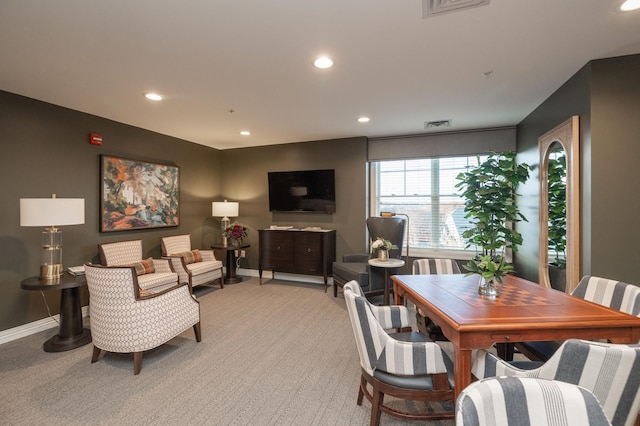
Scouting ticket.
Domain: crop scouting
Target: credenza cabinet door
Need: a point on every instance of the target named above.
(297, 252)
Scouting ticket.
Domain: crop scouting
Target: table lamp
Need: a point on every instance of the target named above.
(224, 209)
(51, 213)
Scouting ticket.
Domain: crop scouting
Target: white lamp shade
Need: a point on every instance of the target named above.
(51, 211)
(224, 209)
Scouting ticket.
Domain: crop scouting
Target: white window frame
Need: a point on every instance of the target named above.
(375, 209)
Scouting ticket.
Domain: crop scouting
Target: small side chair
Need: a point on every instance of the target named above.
(196, 267)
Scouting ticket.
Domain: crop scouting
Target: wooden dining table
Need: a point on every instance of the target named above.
(523, 311)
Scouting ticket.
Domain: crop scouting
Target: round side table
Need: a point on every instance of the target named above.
(230, 274)
(71, 334)
(390, 266)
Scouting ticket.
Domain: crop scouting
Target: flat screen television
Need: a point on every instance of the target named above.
(305, 191)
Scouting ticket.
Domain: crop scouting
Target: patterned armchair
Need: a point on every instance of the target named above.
(193, 266)
(409, 370)
(154, 275)
(611, 372)
(124, 320)
(514, 401)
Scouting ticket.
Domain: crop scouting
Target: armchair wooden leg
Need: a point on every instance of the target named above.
(137, 363)
(96, 354)
(363, 383)
(197, 330)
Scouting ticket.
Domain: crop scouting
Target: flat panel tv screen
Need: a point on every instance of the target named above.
(312, 191)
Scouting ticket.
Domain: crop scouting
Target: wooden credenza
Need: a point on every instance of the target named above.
(298, 252)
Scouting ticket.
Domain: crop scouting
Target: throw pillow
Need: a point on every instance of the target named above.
(144, 267)
(192, 256)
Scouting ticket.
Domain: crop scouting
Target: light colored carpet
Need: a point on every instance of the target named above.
(278, 354)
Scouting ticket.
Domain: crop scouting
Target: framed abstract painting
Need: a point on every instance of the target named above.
(138, 195)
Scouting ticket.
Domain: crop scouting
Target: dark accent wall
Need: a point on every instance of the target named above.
(244, 180)
(46, 150)
(606, 96)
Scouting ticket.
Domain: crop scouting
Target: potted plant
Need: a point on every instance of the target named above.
(489, 190)
(380, 247)
(557, 226)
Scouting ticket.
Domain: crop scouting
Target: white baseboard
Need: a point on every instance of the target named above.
(47, 323)
(267, 274)
(34, 327)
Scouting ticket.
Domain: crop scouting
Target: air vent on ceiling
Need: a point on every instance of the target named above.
(437, 124)
(438, 7)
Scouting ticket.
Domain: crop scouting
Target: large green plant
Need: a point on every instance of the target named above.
(489, 190)
(557, 227)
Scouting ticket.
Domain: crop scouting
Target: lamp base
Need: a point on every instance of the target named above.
(51, 272)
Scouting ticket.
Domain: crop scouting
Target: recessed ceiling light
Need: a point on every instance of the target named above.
(630, 5)
(323, 62)
(245, 132)
(363, 119)
(153, 97)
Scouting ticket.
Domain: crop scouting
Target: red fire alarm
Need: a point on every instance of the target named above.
(95, 139)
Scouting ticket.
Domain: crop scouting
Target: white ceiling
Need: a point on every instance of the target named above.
(254, 57)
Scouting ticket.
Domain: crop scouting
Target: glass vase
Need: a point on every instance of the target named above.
(488, 288)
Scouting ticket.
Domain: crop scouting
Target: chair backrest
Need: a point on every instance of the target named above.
(355, 288)
(378, 350)
(527, 401)
(175, 244)
(120, 253)
(614, 294)
(389, 228)
(610, 371)
(435, 266)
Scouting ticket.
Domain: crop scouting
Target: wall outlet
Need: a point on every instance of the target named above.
(242, 254)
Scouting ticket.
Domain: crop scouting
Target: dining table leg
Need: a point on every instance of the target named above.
(461, 369)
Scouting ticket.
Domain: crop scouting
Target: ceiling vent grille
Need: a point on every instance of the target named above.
(437, 124)
(438, 7)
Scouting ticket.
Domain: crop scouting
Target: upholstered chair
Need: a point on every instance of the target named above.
(356, 267)
(193, 266)
(415, 371)
(516, 401)
(124, 319)
(613, 294)
(432, 267)
(154, 275)
(611, 372)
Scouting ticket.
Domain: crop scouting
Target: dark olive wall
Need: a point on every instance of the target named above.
(615, 131)
(572, 98)
(244, 180)
(606, 96)
(45, 150)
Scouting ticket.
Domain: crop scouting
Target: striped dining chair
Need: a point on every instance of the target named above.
(432, 267)
(610, 371)
(519, 401)
(611, 293)
(415, 371)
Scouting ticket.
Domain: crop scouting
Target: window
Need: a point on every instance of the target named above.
(424, 190)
